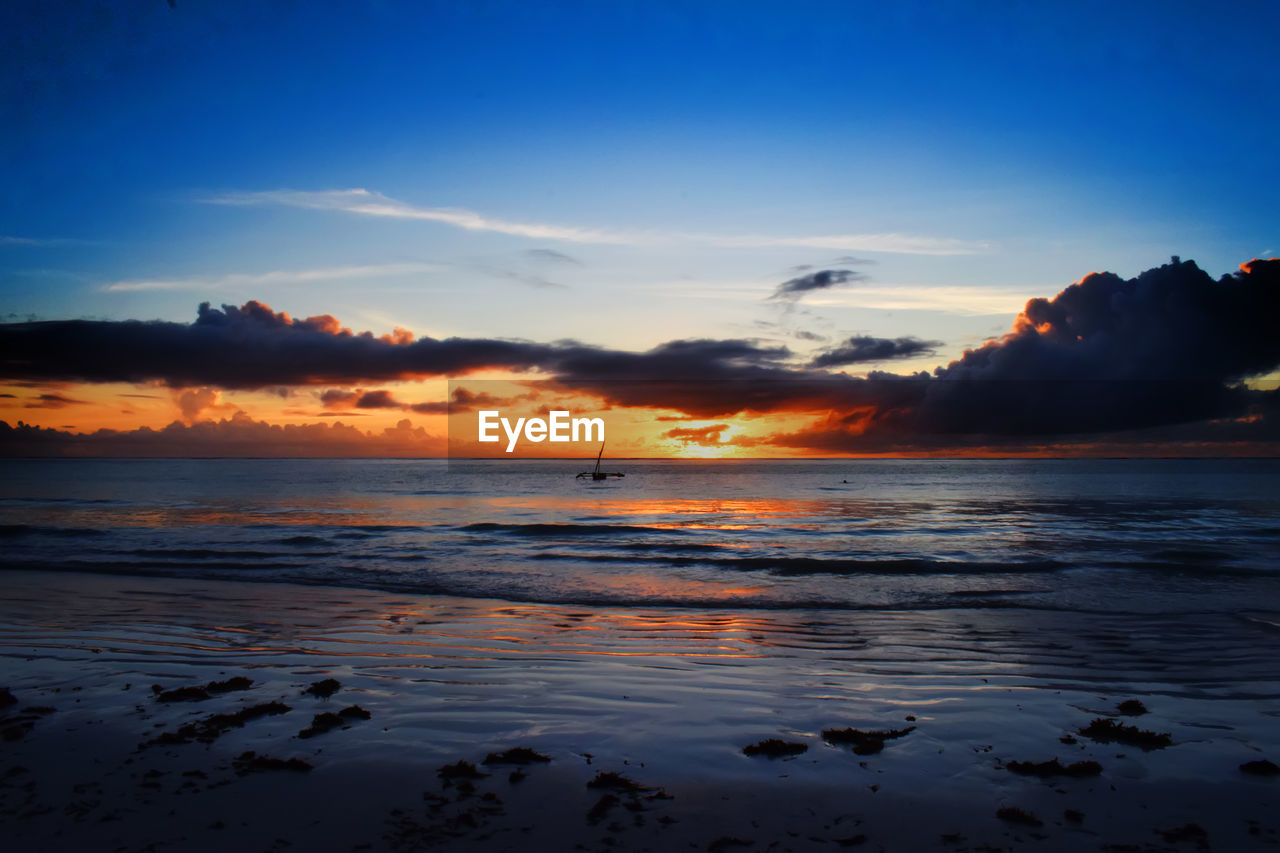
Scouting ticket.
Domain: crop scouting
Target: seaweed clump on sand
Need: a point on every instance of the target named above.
(180, 694)
(775, 748)
(1192, 832)
(323, 689)
(251, 762)
(322, 723)
(1046, 769)
(1013, 814)
(1261, 767)
(516, 755)
(616, 786)
(239, 682)
(328, 721)
(212, 727)
(611, 781)
(1109, 731)
(198, 692)
(459, 770)
(864, 743)
(1132, 708)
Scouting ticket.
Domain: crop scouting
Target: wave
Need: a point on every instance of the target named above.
(562, 529)
(14, 530)
(822, 565)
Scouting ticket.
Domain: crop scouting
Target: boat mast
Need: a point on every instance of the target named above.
(599, 456)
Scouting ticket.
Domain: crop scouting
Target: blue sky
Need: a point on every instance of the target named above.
(637, 172)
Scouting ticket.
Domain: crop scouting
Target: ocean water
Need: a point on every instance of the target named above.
(1093, 536)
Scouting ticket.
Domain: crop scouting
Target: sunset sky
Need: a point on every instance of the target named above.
(722, 204)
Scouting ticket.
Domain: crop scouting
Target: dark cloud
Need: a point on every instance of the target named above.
(707, 435)
(238, 436)
(806, 335)
(378, 400)
(53, 401)
(864, 348)
(245, 347)
(821, 280)
(1166, 348)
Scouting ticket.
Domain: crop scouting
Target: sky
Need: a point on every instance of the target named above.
(859, 190)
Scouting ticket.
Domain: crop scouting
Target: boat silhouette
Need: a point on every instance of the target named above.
(596, 473)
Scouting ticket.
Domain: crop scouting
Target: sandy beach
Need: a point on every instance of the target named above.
(642, 717)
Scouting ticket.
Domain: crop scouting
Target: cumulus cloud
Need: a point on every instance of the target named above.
(1168, 347)
(193, 401)
(864, 348)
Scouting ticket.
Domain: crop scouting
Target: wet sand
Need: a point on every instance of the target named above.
(95, 757)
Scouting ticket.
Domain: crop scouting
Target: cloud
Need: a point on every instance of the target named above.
(911, 297)
(195, 400)
(706, 436)
(551, 256)
(45, 242)
(363, 202)
(252, 346)
(864, 348)
(821, 280)
(1168, 347)
(53, 401)
(238, 436)
(243, 280)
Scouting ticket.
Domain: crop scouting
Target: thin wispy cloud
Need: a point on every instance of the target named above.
(44, 242)
(955, 300)
(367, 203)
(234, 280)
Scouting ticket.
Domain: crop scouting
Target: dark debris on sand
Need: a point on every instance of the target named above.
(251, 762)
(1261, 767)
(1132, 708)
(7, 698)
(1192, 832)
(459, 770)
(231, 684)
(1013, 814)
(328, 721)
(864, 742)
(1109, 731)
(516, 755)
(600, 810)
(180, 694)
(775, 748)
(1046, 769)
(323, 689)
(212, 727)
(615, 782)
(198, 693)
(322, 723)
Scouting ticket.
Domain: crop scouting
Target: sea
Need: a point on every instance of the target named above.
(658, 623)
(1167, 536)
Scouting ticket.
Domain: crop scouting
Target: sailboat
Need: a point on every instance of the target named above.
(597, 474)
